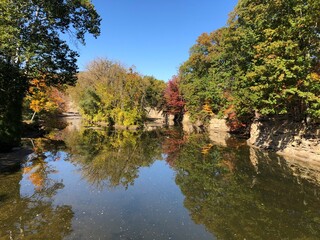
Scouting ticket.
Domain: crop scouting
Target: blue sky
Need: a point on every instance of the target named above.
(153, 35)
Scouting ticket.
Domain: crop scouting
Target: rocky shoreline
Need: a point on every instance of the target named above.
(288, 138)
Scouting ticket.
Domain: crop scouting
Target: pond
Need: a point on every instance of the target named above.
(161, 184)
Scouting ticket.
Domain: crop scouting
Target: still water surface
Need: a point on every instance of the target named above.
(163, 184)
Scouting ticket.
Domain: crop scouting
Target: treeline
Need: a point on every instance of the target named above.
(264, 62)
(110, 93)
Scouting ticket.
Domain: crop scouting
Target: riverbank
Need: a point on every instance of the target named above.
(290, 139)
(11, 161)
(286, 137)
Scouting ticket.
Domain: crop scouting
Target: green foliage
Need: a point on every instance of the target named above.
(31, 35)
(112, 159)
(111, 93)
(31, 43)
(284, 60)
(266, 60)
(202, 83)
(154, 92)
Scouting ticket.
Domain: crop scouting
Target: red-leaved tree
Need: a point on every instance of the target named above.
(174, 103)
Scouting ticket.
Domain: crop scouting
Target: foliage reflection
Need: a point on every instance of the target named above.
(113, 158)
(34, 215)
(242, 194)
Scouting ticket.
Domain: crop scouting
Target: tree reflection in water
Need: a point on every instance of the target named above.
(235, 199)
(235, 192)
(33, 216)
(110, 159)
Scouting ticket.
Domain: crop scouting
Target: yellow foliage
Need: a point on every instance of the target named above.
(207, 108)
(43, 97)
(205, 149)
(315, 76)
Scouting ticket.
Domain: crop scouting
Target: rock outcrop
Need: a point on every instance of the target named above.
(286, 137)
(218, 131)
(189, 126)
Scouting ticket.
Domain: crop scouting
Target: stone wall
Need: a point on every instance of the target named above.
(157, 119)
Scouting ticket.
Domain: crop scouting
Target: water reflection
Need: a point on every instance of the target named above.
(92, 183)
(246, 194)
(32, 214)
(113, 158)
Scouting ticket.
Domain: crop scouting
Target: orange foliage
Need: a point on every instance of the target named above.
(43, 97)
(207, 108)
(37, 180)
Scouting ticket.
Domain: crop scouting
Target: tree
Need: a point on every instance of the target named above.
(111, 93)
(205, 80)
(42, 98)
(12, 88)
(266, 60)
(154, 92)
(174, 103)
(281, 40)
(31, 41)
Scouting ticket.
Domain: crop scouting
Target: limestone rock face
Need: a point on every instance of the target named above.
(189, 126)
(159, 117)
(218, 131)
(293, 139)
(155, 115)
(218, 125)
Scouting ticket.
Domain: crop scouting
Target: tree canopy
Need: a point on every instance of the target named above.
(109, 92)
(32, 46)
(31, 35)
(265, 60)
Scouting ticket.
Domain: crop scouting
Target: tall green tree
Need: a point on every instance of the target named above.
(12, 88)
(31, 41)
(204, 77)
(265, 61)
(276, 46)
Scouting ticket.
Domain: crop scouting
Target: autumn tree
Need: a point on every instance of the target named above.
(205, 80)
(31, 41)
(266, 61)
(174, 102)
(111, 93)
(43, 98)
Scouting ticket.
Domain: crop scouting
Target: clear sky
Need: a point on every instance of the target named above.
(153, 35)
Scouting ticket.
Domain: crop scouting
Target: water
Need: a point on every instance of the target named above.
(163, 184)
